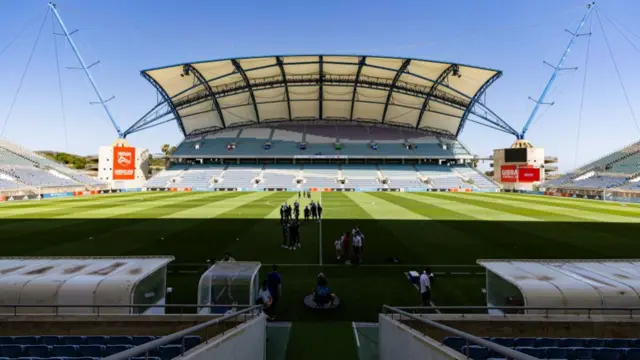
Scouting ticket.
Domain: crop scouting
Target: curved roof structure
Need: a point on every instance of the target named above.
(596, 284)
(73, 281)
(427, 95)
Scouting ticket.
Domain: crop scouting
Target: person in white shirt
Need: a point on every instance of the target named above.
(264, 297)
(338, 245)
(425, 286)
(357, 247)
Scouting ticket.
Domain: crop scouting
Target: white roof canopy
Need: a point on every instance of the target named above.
(426, 95)
(572, 283)
(73, 281)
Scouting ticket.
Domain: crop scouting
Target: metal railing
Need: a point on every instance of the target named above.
(147, 347)
(521, 310)
(496, 348)
(96, 308)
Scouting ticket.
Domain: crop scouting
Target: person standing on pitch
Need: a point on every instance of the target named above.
(292, 236)
(306, 213)
(285, 230)
(274, 284)
(282, 214)
(425, 286)
(319, 211)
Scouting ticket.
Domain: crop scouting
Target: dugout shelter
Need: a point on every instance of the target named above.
(83, 281)
(596, 286)
(228, 283)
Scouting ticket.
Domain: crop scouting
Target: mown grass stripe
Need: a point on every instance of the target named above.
(560, 212)
(77, 209)
(382, 208)
(425, 206)
(478, 211)
(126, 232)
(516, 209)
(601, 207)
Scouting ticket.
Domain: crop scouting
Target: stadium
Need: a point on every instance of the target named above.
(311, 204)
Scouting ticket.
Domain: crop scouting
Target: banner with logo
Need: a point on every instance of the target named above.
(528, 174)
(124, 163)
(508, 173)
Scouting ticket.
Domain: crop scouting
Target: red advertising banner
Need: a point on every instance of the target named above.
(124, 163)
(2, 198)
(528, 175)
(508, 174)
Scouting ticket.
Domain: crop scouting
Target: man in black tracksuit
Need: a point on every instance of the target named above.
(319, 211)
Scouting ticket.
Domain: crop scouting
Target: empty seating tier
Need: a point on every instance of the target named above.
(87, 347)
(554, 348)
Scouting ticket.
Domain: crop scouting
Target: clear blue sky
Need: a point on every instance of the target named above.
(128, 36)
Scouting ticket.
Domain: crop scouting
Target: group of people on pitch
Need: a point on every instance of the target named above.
(349, 247)
(290, 221)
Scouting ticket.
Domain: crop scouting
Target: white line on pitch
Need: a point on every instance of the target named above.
(355, 333)
(320, 232)
(434, 305)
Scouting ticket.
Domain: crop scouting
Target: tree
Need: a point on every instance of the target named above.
(165, 149)
(172, 150)
(474, 163)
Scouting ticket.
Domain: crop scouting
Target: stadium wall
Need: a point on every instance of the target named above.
(247, 341)
(398, 341)
(553, 326)
(155, 325)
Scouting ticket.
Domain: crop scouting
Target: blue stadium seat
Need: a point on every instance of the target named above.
(581, 353)
(4, 358)
(26, 358)
(595, 343)
(608, 353)
(26, 340)
(533, 351)
(73, 340)
(139, 340)
(546, 342)
(82, 358)
(119, 340)
(143, 358)
(96, 340)
(6, 340)
(617, 343)
(191, 341)
(64, 350)
(571, 343)
(50, 340)
(634, 343)
(508, 342)
(11, 351)
(632, 354)
(39, 351)
(91, 350)
(525, 342)
(475, 352)
(556, 353)
(114, 349)
(170, 351)
(456, 343)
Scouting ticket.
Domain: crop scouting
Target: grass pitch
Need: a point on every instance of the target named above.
(437, 229)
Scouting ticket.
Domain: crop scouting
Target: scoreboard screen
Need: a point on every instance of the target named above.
(515, 155)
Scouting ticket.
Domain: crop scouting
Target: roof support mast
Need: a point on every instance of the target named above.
(556, 70)
(85, 68)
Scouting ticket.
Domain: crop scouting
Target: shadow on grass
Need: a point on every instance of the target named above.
(362, 289)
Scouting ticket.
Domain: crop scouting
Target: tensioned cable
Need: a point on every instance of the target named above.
(615, 65)
(19, 34)
(24, 73)
(64, 117)
(584, 86)
(619, 22)
(623, 35)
